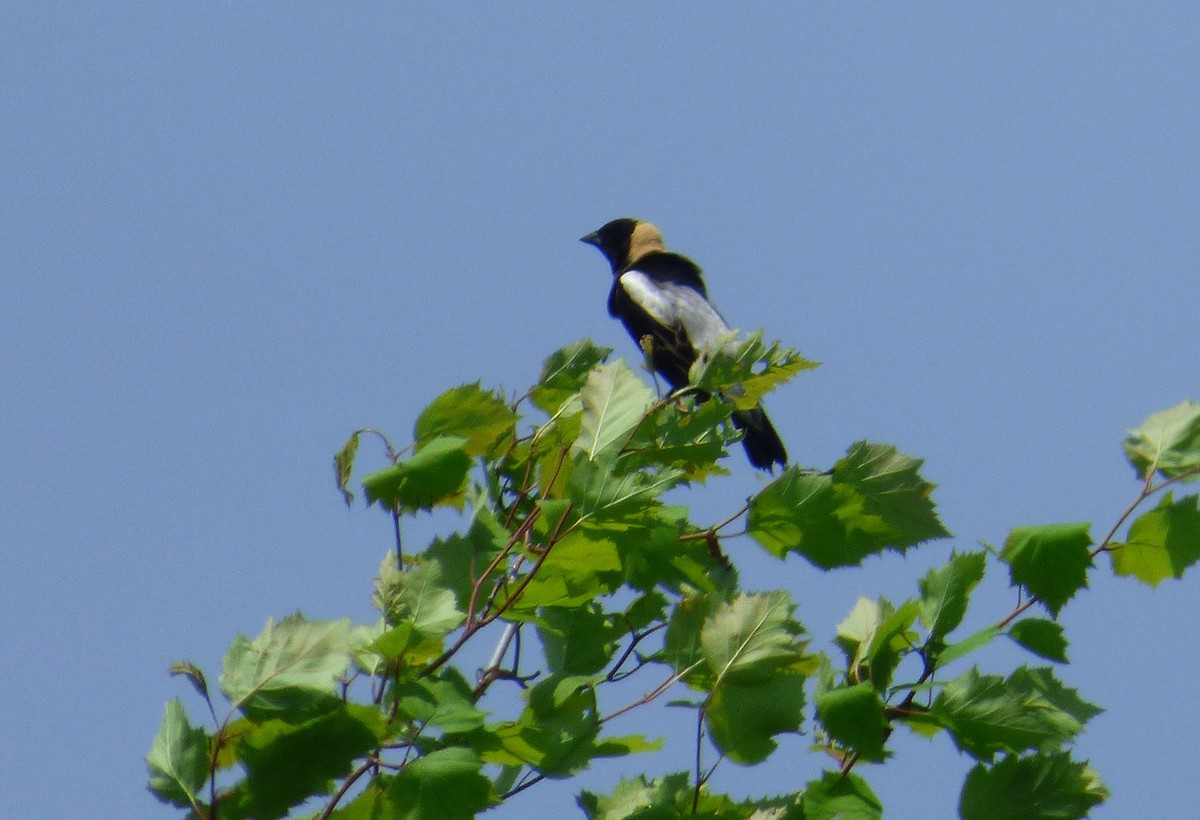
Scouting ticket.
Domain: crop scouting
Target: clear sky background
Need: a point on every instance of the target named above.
(231, 234)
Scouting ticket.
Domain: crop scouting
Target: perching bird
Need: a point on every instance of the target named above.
(659, 294)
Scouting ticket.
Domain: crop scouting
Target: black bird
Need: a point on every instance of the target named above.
(660, 295)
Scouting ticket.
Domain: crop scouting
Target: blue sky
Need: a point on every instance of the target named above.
(233, 234)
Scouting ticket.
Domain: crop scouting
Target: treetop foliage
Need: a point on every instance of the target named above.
(569, 536)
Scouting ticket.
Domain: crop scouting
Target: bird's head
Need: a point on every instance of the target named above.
(625, 240)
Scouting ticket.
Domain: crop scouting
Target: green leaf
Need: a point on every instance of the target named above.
(479, 416)
(654, 556)
(967, 645)
(601, 490)
(640, 798)
(446, 702)
(1037, 787)
(195, 676)
(443, 785)
(417, 595)
(1162, 543)
(580, 567)
(1031, 710)
(178, 759)
(436, 476)
(744, 718)
(615, 401)
(1051, 561)
(289, 671)
(875, 635)
(461, 559)
(681, 645)
(578, 640)
(945, 591)
(1167, 443)
(1041, 637)
(682, 434)
(343, 466)
(288, 763)
(841, 797)
(564, 373)
(745, 371)
(557, 732)
(853, 715)
(874, 500)
(749, 638)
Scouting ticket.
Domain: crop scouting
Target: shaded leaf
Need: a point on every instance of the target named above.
(578, 640)
(1041, 637)
(1037, 787)
(744, 718)
(945, 591)
(838, 797)
(1030, 710)
(744, 371)
(480, 416)
(1051, 561)
(437, 475)
(287, 763)
(443, 785)
(853, 716)
(874, 500)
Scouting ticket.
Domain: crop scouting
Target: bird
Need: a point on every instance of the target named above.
(660, 298)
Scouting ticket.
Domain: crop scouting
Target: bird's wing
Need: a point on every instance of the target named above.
(676, 306)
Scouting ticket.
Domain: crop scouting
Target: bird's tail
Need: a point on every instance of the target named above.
(763, 445)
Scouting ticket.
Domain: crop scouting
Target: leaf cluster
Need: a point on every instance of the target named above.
(569, 536)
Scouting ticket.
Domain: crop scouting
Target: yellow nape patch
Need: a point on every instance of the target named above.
(645, 239)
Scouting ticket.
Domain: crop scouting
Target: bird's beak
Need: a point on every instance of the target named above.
(591, 239)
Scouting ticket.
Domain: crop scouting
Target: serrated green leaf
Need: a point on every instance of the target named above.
(615, 402)
(874, 500)
(286, 763)
(1036, 787)
(743, 719)
(178, 759)
(290, 670)
(853, 715)
(436, 476)
(986, 714)
(945, 591)
(602, 490)
(480, 417)
(744, 371)
(443, 785)
(564, 373)
(1041, 637)
(1162, 543)
(1051, 561)
(1167, 443)
(682, 434)
(841, 797)
(874, 636)
(752, 636)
